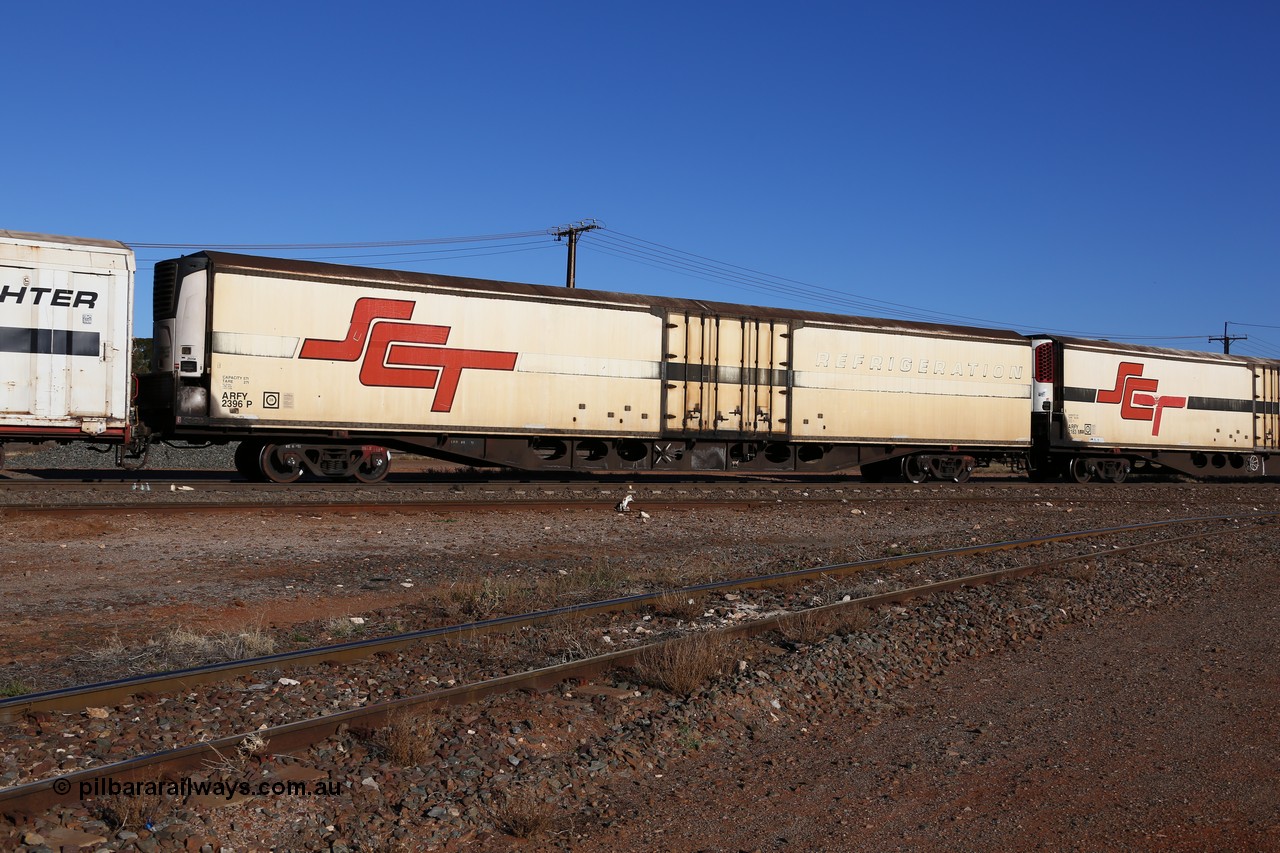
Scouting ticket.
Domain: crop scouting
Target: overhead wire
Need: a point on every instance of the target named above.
(493, 253)
(439, 253)
(764, 282)
(1255, 345)
(708, 269)
(1251, 325)
(661, 256)
(409, 258)
(372, 244)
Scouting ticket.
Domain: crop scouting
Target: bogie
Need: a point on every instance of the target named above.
(1086, 469)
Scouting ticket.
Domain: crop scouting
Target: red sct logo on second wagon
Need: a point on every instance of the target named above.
(401, 355)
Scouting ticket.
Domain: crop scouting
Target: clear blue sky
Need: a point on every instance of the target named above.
(1108, 168)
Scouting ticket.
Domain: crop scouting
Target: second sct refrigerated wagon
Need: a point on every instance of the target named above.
(1102, 408)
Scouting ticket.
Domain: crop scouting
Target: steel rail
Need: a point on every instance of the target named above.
(291, 737)
(587, 502)
(447, 493)
(391, 492)
(119, 690)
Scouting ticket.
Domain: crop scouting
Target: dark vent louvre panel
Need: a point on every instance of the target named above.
(1044, 362)
(166, 290)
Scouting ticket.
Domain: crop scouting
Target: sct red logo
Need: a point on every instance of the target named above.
(394, 355)
(1137, 396)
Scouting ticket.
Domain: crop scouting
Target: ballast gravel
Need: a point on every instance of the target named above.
(1128, 704)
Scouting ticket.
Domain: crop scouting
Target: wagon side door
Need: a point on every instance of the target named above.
(726, 375)
(1266, 407)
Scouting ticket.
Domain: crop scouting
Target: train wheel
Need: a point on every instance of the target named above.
(914, 470)
(279, 464)
(374, 468)
(1121, 473)
(1078, 469)
(963, 475)
(246, 459)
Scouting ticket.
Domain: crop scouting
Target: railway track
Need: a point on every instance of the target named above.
(295, 734)
(178, 497)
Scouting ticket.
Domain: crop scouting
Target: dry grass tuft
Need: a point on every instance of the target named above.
(341, 627)
(185, 644)
(1080, 572)
(680, 605)
(568, 638)
(493, 647)
(522, 813)
(409, 737)
(133, 812)
(702, 568)
(489, 597)
(234, 764)
(182, 647)
(826, 590)
(853, 620)
(682, 666)
(866, 589)
(600, 578)
(697, 569)
(814, 626)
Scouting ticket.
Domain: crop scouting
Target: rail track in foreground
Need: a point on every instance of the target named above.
(296, 735)
(57, 499)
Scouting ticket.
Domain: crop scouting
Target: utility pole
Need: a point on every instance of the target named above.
(1227, 339)
(572, 232)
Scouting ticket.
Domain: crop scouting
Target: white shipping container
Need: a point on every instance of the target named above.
(66, 306)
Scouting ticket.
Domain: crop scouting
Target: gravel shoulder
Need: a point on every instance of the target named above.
(1153, 729)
